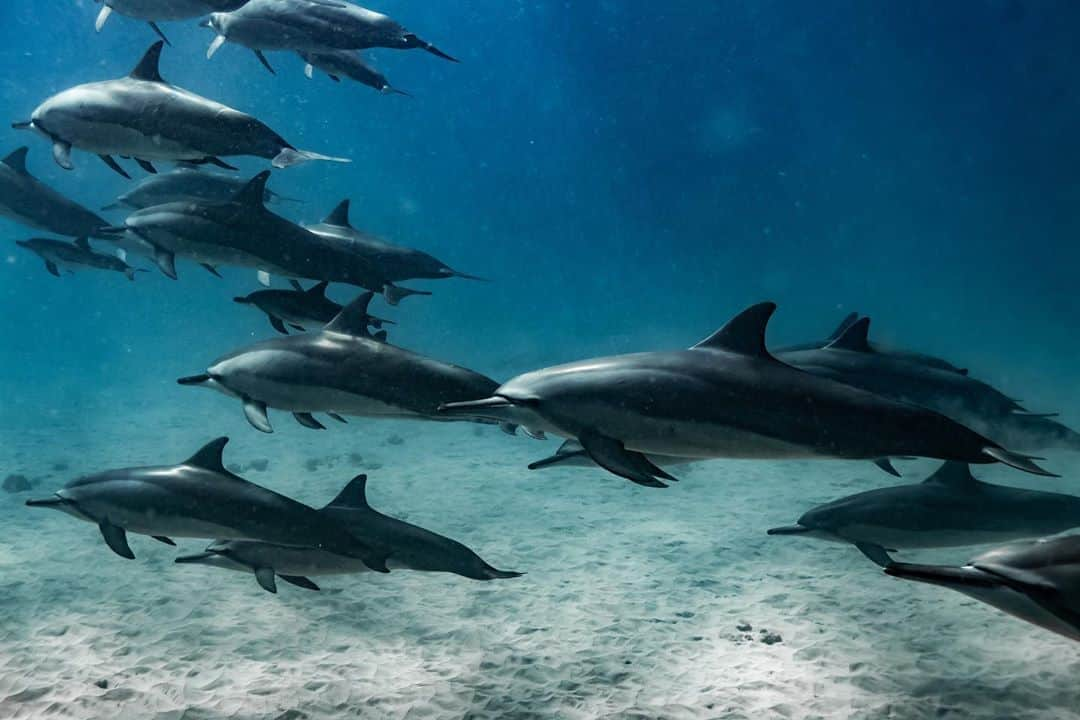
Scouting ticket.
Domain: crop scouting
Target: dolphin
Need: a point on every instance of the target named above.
(312, 25)
(850, 359)
(909, 355)
(60, 254)
(395, 262)
(724, 397)
(302, 309)
(340, 370)
(144, 117)
(27, 200)
(244, 232)
(199, 498)
(948, 509)
(410, 548)
(153, 11)
(346, 63)
(185, 184)
(1036, 581)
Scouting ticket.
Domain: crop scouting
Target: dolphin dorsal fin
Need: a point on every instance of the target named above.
(254, 192)
(743, 334)
(854, 338)
(353, 318)
(953, 473)
(209, 456)
(318, 290)
(147, 69)
(16, 160)
(847, 322)
(83, 244)
(339, 216)
(353, 495)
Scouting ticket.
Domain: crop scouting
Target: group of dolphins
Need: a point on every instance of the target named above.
(638, 416)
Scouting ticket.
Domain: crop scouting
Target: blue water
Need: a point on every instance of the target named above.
(627, 174)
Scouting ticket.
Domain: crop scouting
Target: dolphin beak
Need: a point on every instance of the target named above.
(241, 300)
(196, 558)
(467, 276)
(194, 379)
(53, 501)
(789, 530)
(475, 407)
(951, 577)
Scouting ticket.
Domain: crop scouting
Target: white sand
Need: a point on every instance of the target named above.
(629, 609)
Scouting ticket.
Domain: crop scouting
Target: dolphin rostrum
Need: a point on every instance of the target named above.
(185, 184)
(1037, 581)
(27, 200)
(724, 397)
(410, 548)
(199, 498)
(313, 25)
(144, 117)
(153, 11)
(949, 509)
(340, 370)
(59, 254)
(346, 63)
(300, 308)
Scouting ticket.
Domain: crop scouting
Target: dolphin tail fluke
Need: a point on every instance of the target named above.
(1016, 460)
(395, 293)
(952, 577)
(290, 156)
(613, 456)
(788, 530)
(154, 26)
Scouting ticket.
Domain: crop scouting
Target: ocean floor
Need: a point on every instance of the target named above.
(636, 603)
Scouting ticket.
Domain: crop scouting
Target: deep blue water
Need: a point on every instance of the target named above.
(628, 174)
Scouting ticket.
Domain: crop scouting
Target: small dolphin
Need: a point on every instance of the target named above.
(1038, 581)
(303, 309)
(111, 118)
(395, 263)
(909, 355)
(724, 397)
(949, 509)
(410, 548)
(153, 11)
(312, 25)
(340, 370)
(199, 498)
(186, 184)
(347, 63)
(60, 254)
(245, 233)
(27, 200)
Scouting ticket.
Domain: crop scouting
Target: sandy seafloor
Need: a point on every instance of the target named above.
(631, 605)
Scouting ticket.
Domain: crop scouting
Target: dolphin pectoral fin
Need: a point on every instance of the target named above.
(294, 283)
(1016, 460)
(556, 459)
(211, 269)
(296, 327)
(213, 160)
(380, 336)
(613, 456)
(108, 160)
(266, 63)
(51, 267)
(255, 412)
(102, 16)
(163, 539)
(215, 45)
(337, 417)
(147, 166)
(116, 539)
(308, 420)
(299, 581)
(154, 26)
(263, 278)
(265, 578)
(509, 428)
(278, 325)
(395, 294)
(166, 262)
(875, 553)
(61, 152)
(885, 464)
(309, 71)
(290, 156)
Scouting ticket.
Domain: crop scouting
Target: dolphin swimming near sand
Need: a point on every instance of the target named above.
(27, 200)
(949, 509)
(394, 262)
(186, 184)
(724, 397)
(244, 233)
(340, 370)
(310, 25)
(199, 498)
(143, 117)
(410, 548)
(59, 254)
(1038, 581)
(339, 64)
(153, 11)
(300, 308)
